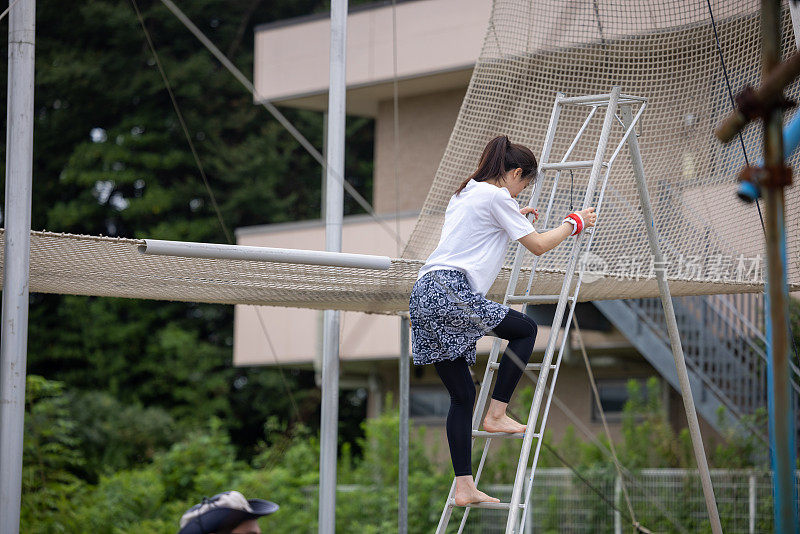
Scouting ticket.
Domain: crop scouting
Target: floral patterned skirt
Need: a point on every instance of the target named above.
(448, 317)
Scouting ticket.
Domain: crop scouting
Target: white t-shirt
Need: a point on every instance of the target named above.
(478, 224)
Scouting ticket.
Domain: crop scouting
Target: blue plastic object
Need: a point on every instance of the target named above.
(748, 191)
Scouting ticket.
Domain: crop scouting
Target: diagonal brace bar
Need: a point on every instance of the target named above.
(672, 327)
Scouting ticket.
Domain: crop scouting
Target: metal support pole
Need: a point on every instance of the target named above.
(751, 504)
(333, 242)
(16, 265)
(324, 177)
(323, 196)
(672, 326)
(781, 428)
(402, 476)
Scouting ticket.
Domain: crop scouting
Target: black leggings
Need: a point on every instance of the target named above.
(520, 331)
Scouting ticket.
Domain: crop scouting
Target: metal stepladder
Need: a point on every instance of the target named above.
(545, 382)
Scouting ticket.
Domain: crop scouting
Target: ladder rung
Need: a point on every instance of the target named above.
(491, 505)
(567, 165)
(529, 367)
(533, 299)
(484, 434)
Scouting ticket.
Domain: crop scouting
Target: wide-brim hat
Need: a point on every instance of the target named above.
(223, 511)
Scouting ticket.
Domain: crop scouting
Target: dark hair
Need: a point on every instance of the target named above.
(501, 156)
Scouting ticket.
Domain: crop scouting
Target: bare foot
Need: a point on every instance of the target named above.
(472, 495)
(502, 423)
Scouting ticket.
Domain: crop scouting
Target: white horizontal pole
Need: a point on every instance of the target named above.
(186, 249)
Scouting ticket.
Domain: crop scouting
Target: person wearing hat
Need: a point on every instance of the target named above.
(226, 513)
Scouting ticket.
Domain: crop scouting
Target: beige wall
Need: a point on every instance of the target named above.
(425, 126)
(572, 388)
(295, 333)
(433, 36)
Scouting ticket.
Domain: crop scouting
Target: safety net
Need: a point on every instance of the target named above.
(664, 51)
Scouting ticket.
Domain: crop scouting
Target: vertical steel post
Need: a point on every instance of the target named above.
(333, 242)
(402, 476)
(751, 504)
(781, 428)
(672, 325)
(16, 264)
(321, 313)
(617, 515)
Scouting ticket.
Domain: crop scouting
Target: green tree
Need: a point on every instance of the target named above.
(111, 158)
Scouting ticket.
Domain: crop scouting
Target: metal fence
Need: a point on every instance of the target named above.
(663, 500)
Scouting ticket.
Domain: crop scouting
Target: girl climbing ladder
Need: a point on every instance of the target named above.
(448, 308)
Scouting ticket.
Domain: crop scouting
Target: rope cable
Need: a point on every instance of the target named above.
(294, 132)
(182, 122)
(744, 152)
(210, 192)
(586, 482)
(8, 9)
(596, 393)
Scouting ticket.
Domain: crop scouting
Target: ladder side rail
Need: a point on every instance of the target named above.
(675, 342)
(477, 479)
(579, 134)
(559, 314)
(494, 355)
(541, 384)
(518, 260)
(515, 272)
(486, 383)
(628, 130)
(547, 212)
(534, 200)
(546, 412)
(495, 351)
(553, 191)
(441, 528)
(537, 188)
(541, 427)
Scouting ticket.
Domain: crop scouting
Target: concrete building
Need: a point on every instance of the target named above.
(435, 56)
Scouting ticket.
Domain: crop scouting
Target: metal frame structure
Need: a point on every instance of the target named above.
(17, 252)
(781, 418)
(543, 393)
(334, 206)
(19, 173)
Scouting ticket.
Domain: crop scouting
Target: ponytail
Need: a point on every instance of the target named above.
(499, 157)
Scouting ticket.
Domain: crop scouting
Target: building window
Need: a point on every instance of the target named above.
(613, 396)
(428, 403)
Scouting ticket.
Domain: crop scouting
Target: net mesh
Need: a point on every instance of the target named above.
(662, 50)
(114, 267)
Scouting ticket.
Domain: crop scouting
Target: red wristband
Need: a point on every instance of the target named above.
(578, 226)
